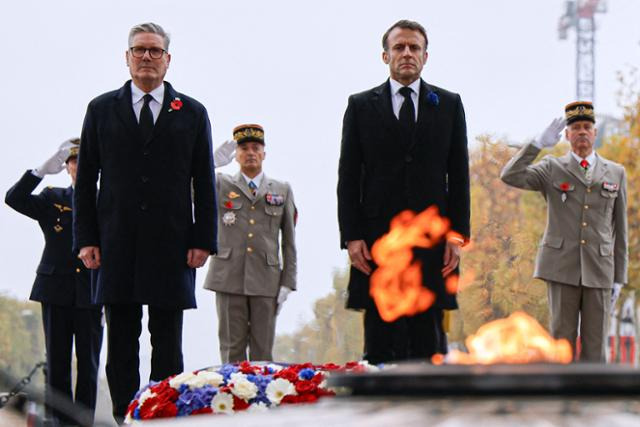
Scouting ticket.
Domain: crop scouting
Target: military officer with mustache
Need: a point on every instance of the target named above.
(583, 254)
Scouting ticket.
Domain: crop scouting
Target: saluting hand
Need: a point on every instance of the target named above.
(225, 153)
(359, 255)
(551, 135)
(197, 257)
(55, 163)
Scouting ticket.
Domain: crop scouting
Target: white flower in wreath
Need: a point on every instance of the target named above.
(258, 407)
(222, 403)
(144, 396)
(180, 379)
(279, 388)
(368, 367)
(203, 378)
(274, 367)
(242, 387)
(128, 419)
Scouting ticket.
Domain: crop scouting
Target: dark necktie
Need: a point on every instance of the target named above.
(407, 114)
(253, 187)
(146, 119)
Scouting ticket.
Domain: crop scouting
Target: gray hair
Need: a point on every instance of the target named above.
(150, 27)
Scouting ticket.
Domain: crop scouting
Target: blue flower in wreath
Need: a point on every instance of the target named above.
(306, 374)
(433, 98)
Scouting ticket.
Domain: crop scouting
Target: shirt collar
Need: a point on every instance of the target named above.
(396, 86)
(137, 93)
(256, 179)
(591, 158)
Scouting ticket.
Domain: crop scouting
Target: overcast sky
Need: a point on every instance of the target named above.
(290, 66)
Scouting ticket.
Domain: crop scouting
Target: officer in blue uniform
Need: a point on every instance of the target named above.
(62, 284)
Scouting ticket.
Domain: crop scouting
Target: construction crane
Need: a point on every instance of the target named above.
(580, 14)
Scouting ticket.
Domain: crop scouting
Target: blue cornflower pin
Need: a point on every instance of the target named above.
(433, 98)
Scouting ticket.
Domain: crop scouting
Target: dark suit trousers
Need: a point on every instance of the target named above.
(124, 325)
(61, 325)
(408, 338)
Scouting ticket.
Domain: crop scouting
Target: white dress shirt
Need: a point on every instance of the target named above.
(137, 100)
(397, 99)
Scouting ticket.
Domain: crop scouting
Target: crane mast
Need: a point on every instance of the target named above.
(580, 15)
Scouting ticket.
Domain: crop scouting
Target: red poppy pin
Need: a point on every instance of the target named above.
(564, 186)
(176, 104)
(228, 204)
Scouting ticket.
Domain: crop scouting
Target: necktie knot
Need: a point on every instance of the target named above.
(584, 164)
(406, 91)
(147, 98)
(253, 187)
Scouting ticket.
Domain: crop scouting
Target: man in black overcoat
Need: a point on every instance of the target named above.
(404, 146)
(153, 220)
(62, 286)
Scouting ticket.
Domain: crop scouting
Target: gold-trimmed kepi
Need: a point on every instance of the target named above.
(73, 151)
(248, 133)
(579, 110)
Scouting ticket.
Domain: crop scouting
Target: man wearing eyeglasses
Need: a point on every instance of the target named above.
(144, 232)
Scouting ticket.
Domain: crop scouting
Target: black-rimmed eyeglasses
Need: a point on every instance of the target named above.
(154, 52)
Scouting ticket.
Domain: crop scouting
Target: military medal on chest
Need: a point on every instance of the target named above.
(229, 218)
(274, 199)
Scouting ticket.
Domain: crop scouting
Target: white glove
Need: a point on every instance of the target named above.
(551, 135)
(615, 293)
(225, 153)
(56, 163)
(283, 293)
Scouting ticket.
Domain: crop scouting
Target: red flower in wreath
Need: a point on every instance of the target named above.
(176, 104)
(565, 186)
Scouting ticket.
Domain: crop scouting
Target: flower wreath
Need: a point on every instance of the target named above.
(235, 387)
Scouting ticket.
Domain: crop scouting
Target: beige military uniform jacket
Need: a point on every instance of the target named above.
(585, 241)
(250, 259)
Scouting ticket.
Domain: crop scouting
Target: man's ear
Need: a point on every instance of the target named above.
(385, 57)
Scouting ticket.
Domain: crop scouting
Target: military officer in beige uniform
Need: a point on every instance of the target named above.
(583, 253)
(255, 267)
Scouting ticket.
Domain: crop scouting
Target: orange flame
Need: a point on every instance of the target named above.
(454, 283)
(396, 285)
(517, 339)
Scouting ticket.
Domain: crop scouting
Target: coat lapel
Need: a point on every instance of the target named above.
(426, 115)
(574, 168)
(382, 101)
(241, 183)
(600, 170)
(124, 109)
(265, 187)
(165, 116)
(68, 195)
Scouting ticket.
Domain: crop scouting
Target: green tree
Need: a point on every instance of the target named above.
(333, 335)
(21, 337)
